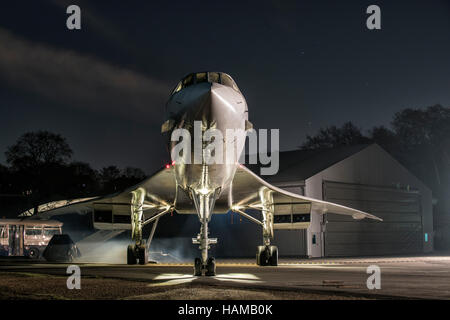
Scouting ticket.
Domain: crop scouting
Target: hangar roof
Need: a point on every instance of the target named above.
(298, 165)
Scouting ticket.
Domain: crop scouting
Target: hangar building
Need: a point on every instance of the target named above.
(364, 177)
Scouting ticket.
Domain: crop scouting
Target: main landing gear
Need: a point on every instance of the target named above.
(137, 253)
(267, 256)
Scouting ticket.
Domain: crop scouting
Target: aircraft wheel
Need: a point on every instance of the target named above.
(273, 260)
(262, 256)
(211, 267)
(197, 267)
(143, 254)
(131, 256)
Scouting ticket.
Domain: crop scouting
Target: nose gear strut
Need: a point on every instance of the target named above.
(204, 203)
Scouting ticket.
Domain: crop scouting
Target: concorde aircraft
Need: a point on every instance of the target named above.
(201, 188)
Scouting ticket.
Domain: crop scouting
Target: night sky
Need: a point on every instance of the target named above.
(301, 65)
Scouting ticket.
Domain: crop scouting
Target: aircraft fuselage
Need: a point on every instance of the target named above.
(197, 108)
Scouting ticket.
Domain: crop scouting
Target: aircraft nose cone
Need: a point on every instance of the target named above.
(201, 102)
(213, 104)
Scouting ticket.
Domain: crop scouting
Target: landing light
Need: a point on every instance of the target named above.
(203, 191)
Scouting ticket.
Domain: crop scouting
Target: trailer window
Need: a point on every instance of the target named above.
(3, 231)
(33, 231)
(50, 231)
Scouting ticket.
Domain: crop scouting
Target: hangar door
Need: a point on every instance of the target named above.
(399, 233)
(292, 243)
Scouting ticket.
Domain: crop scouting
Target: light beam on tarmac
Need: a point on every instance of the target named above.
(239, 277)
(171, 276)
(172, 279)
(169, 279)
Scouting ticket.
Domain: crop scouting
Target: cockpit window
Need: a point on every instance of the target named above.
(217, 77)
(201, 77)
(214, 77)
(189, 80)
(227, 81)
(178, 87)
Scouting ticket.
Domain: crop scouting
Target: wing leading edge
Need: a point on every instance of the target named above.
(246, 191)
(159, 191)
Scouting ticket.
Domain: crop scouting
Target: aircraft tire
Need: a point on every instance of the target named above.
(273, 260)
(143, 255)
(211, 267)
(262, 256)
(131, 256)
(197, 267)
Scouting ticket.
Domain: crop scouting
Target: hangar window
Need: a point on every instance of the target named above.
(301, 218)
(282, 218)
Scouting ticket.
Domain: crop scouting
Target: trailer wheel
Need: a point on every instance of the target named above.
(33, 253)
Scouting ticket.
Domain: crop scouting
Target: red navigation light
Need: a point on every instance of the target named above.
(167, 166)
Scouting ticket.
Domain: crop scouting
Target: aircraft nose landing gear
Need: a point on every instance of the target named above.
(204, 204)
(204, 263)
(209, 268)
